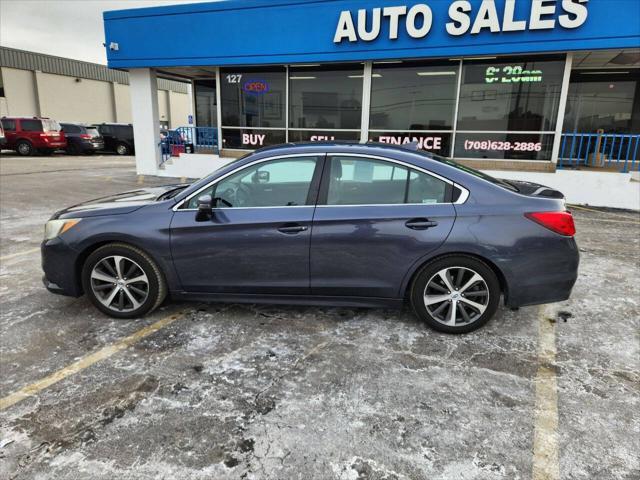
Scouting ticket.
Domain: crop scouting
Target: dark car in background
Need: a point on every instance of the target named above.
(324, 224)
(82, 139)
(118, 137)
(28, 136)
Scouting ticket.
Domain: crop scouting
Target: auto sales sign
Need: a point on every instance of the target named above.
(417, 20)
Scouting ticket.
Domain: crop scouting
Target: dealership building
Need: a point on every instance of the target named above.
(543, 87)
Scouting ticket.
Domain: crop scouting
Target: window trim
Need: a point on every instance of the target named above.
(464, 195)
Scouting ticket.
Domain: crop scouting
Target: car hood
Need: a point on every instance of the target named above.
(120, 203)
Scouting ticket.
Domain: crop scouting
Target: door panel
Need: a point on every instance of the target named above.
(368, 250)
(243, 250)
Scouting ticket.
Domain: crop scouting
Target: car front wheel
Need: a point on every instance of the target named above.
(123, 281)
(455, 294)
(122, 149)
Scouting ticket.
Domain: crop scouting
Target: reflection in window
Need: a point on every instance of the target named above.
(595, 103)
(253, 98)
(206, 108)
(325, 97)
(276, 183)
(504, 95)
(376, 182)
(413, 96)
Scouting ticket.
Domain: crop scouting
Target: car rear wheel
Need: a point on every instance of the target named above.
(455, 294)
(122, 149)
(24, 148)
(123, 281)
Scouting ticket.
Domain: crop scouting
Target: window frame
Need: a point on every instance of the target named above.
(320, 184)
(312, 194)
(449, 185)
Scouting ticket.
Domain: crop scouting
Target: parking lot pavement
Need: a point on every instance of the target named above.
(230, 391)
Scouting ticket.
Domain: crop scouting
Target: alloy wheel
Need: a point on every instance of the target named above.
(121, 150)
(456, 296)
(119, 283)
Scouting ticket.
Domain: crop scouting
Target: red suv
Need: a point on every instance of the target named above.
(29, 135)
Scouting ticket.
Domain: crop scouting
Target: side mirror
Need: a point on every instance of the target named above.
(205, 209)
(261, 176)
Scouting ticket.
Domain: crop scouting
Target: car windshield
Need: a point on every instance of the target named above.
(49, 125)
(472, 171)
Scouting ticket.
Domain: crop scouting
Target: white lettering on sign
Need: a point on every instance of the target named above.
(418, 19)
(322, 138)
(253, 139)
(424, 143)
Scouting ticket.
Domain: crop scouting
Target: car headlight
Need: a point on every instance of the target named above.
(53, 228)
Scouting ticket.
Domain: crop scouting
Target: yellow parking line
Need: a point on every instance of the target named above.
(545, 437)
(86, 361)
(19, 254)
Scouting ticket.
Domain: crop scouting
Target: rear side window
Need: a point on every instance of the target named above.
(50, 125)
(362, 181)
(9, 125)
(68, 128)
(31, 125)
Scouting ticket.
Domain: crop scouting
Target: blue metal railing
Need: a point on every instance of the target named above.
(600, 150)
(189, 140)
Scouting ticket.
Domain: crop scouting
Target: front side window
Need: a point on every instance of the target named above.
(362, 181)
(275, 183)
(31, 125)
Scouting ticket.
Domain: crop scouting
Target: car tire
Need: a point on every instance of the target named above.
(123, 149)
(24, 148)
(109, 289)
(455, 294)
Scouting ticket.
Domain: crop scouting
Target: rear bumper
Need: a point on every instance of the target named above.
(549, 278)
(58, 264)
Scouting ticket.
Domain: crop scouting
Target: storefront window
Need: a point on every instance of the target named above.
(323, 135)
(510, 94)
(499, 146)
(411, 96)
(206, 107)
(326, 97)
(253, 99)
(601, 100)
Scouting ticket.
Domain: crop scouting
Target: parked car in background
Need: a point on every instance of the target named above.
(3, 139)
(118, 137)
(82, 139)
(327, 224)
(30, 135)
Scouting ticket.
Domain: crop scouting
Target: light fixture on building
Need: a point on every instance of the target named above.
(435, 74)
(373, 75)
(302, 78)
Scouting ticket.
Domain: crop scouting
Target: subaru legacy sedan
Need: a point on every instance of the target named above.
(323, 224)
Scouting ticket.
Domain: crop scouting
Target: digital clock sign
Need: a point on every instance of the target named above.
(512, 74)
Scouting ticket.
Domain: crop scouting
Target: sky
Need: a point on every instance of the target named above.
(66, 28)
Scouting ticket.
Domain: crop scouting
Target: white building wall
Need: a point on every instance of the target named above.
(180, 106)
(164, 114)
(19, 88)
(68, 99)
(122, 102)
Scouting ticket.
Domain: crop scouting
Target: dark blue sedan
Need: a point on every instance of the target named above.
(323, 224)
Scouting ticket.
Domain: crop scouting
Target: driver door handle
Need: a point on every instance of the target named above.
(292, 228)
(421, 224)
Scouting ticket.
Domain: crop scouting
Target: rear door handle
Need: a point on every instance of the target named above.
(421, 224)
(292, 228)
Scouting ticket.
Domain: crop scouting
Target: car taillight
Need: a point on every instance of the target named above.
(559, 222)
(85, 135)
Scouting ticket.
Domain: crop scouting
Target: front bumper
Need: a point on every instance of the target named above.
(59, 265)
